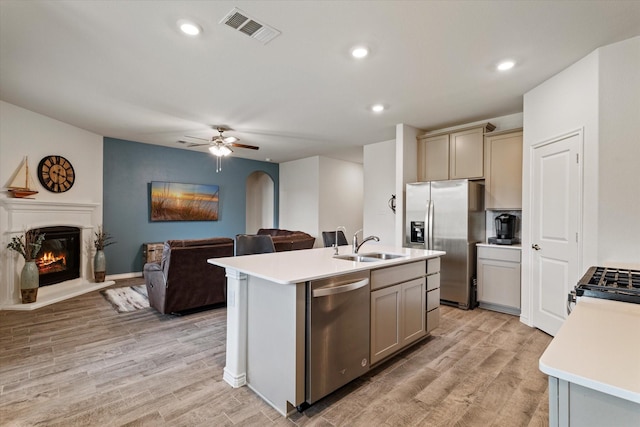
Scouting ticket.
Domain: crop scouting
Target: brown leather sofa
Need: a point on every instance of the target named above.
(286, 240)
(184, 280)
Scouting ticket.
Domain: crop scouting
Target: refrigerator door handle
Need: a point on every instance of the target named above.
(427, 228)
(426, 225)
(430, 225)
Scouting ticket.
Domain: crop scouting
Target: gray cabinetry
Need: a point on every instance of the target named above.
(433, 294)
(452, 155)
(499, 278)
(503, 170)
(398, 304)
(433, 158)
(466, 154)
(572, 405)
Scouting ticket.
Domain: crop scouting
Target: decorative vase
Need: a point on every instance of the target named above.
(99, 266)
(29, 282)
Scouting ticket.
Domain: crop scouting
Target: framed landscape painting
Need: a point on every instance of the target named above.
(173, 201)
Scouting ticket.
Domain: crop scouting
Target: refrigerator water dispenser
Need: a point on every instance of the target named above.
(417, 231)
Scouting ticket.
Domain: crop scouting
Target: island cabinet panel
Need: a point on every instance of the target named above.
(572, 405)
(433, 267)
(503, 171)
(385, 322)
(397, 309)
(275, 337)
(433, 295)
(384, 277)
(397, 317)
(413, 306)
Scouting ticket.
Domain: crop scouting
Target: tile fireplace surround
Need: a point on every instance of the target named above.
(18, 215)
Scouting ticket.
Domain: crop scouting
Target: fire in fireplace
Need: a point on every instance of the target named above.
(59, 257)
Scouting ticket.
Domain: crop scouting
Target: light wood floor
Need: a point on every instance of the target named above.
(79, 363)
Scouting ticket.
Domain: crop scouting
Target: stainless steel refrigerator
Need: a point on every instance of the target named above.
(448, 216)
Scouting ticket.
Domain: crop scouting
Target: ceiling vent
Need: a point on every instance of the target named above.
(240, 21)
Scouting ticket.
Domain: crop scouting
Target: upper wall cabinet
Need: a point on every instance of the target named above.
(433, 158)
(503, 170)
(452, 155)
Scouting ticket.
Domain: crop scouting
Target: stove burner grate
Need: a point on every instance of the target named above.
(610, 283)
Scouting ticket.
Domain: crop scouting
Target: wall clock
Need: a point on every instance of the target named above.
(56, 173)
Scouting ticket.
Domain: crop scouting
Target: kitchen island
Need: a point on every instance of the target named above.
(593, 365)
(266, 311)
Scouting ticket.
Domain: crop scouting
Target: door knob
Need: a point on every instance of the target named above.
(536, 247)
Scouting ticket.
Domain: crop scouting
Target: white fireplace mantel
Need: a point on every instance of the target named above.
(20, 215)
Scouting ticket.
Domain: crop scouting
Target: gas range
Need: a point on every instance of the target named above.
(609, 283)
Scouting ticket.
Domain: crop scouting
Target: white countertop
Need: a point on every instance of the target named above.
(291, 267)
(598, 347)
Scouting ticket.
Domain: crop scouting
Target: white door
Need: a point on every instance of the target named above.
(555, 222)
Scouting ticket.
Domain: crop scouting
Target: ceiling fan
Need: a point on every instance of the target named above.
(219, 145)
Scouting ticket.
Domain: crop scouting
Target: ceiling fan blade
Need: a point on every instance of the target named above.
(250, 147)
(191, 144)
(195, 137)
(230, 139)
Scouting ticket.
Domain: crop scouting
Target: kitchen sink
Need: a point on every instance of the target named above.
(382, 255)
(369, 257)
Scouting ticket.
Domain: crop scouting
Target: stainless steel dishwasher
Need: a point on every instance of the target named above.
(337, 338)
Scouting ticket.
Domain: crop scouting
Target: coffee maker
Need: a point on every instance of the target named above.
(505, 230)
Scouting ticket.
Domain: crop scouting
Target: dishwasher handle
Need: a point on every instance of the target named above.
(334, 290)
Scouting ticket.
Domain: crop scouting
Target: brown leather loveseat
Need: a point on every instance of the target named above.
(285, 240)
(184, 280)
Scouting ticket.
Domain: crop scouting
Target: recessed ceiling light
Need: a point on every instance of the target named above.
(359, 52)
(377, 108)
(505, 65)
(189, 28)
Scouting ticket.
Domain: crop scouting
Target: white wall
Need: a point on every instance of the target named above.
(406, 172)
(25, 133)
(379, 185)
(619, 153)
(259, 201)
(565, 103)
(341, 195)
(300, 195)
(600, 95)
(318, 194)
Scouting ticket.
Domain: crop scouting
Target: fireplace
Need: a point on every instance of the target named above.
(59, 257)
(19, 215)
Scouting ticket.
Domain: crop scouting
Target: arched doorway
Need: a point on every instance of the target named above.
(260, 202)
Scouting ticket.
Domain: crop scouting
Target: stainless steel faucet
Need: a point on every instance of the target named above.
(356, 246)
(335, 243)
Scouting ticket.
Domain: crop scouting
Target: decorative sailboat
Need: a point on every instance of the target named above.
(22, 185)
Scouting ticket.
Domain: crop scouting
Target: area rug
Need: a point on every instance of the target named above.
(126, 299)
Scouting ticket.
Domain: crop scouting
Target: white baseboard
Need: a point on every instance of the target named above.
(124, 275)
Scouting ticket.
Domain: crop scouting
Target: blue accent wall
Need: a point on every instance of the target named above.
(129, 168)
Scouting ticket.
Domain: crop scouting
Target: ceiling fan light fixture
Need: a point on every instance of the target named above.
(220, 150)
(230, 139)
